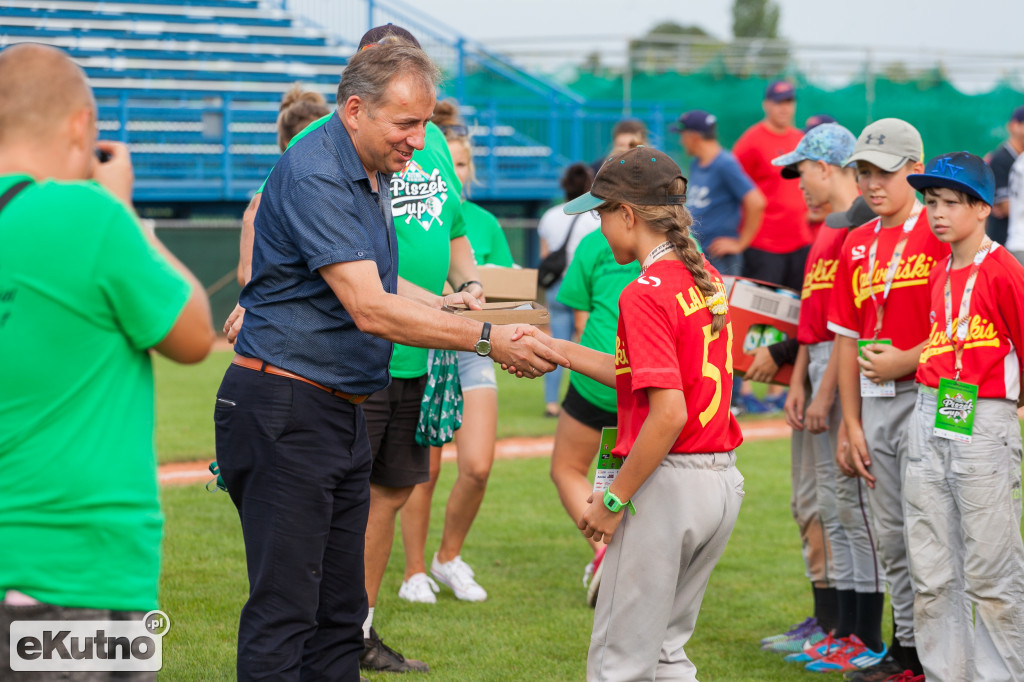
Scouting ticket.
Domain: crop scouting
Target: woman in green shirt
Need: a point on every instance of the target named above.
(591, 286)
(475, 439)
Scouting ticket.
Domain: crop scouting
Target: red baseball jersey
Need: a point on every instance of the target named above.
(995, 333)
(852, 311)
(664, 341)
(819, 278)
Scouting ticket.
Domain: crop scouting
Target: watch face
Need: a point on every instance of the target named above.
(483, 347)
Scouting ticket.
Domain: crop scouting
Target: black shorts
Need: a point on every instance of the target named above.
(391, 417)
(781, 269)
(585, 412)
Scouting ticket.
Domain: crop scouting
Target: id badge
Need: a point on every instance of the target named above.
(608, 465)
(954, 415)
(868, 388)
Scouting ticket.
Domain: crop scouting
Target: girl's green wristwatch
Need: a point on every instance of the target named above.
(614, 504)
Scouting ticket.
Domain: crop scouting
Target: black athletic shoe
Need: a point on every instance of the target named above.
(879, 672)
(380, 657)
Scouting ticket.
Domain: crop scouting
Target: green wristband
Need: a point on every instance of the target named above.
(614, 504)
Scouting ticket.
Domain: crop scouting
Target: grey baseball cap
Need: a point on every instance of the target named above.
(858, 214)
(888, 143)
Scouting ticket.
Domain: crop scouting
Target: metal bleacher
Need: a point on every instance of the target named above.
(193, 86)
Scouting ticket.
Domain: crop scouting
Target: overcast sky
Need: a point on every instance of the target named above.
(990, 26)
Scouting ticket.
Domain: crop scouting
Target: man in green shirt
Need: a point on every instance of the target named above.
(85, 292)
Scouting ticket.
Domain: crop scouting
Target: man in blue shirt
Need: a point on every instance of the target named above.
(717, 190)
(322, 313)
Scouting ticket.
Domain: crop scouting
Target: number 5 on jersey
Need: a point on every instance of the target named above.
(714, 373)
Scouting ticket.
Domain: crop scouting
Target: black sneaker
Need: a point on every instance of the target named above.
(881, 671)
(380, 657)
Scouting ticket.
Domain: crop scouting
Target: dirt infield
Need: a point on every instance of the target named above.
(181, 473)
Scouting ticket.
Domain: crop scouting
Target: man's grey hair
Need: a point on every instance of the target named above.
(370, 72)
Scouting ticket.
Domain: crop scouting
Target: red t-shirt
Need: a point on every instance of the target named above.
(664, 341)
(852, 311)
(819, 278)
(784, 228)
(991, 359)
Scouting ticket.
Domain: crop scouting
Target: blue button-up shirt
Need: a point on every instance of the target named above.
(318, 208)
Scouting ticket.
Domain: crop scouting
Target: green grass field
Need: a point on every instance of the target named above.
(525, 550)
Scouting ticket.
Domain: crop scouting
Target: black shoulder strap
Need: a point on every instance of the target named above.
(568, 235)
(12, 192)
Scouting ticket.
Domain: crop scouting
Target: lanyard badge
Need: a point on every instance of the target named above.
(868, 388)
(957, 400)
(886, 389)
(608, 465)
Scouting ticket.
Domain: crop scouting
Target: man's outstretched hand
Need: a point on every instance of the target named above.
(524, 350)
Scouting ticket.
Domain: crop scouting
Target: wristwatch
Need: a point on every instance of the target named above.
(483, 346)
(614, 504)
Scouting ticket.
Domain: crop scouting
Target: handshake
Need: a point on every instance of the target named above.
(520, 349)
(525, 351)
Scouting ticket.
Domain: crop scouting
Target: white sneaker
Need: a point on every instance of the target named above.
(457, 575)
(420, 589)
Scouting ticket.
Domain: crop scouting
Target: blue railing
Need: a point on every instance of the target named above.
(203, 135)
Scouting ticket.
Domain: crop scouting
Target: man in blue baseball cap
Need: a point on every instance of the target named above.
(718, 190)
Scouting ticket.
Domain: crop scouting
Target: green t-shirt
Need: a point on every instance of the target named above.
(428, 215)
(83, 295)
(486, 236)
(592, 283)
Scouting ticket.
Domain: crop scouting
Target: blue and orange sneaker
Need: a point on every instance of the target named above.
(812, 651)
(854, 656)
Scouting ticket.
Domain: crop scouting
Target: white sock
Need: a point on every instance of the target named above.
(367, 624)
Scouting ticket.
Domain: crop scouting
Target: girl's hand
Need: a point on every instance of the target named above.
(598, 523)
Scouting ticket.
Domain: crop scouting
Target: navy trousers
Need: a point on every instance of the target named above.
(296, 462)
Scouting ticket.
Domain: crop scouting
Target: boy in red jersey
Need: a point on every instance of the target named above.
(880, 302)
(672, 370)
(859, 586)
(962, 487)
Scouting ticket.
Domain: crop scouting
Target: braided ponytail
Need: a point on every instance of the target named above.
(674, 222)
(686, 249)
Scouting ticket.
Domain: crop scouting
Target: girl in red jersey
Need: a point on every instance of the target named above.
(672, 370)
(962, 484)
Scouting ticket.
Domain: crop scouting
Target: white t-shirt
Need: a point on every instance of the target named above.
(1015, 190)
(554, 226)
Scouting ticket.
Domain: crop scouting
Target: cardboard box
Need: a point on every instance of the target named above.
(508, 312)
(506, 284)
(762, 314)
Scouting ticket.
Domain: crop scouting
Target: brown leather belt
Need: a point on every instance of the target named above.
(261, 366)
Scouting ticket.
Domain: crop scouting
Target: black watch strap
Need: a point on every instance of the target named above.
(485, 333)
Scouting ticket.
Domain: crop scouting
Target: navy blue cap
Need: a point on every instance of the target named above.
(696, 120)
(961, 171)
(816, 120)
(1018, 115)
(780, 91)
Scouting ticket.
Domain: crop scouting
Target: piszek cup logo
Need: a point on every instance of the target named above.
(957, 408)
